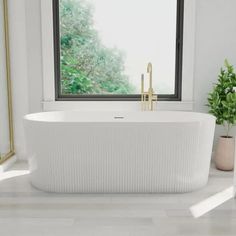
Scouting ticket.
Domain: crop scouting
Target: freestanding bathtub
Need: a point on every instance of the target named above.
(119, 152)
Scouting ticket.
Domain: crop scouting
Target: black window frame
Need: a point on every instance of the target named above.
(177, 96)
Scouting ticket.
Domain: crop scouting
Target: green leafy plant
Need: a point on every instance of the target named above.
(87, 65)
(222, 100)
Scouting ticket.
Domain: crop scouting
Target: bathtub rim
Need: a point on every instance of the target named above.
(41, 117)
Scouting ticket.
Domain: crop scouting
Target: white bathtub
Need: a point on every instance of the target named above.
(115, 152)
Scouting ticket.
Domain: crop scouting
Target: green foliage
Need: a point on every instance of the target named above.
(87, 66)
(222, 100)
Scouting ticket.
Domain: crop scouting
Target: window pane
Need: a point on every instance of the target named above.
(106, 45)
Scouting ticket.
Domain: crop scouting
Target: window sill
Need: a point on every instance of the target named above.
(114, 105)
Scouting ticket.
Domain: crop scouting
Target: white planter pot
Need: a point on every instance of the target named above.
(224, 157)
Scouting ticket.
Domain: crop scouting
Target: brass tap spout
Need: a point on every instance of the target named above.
(147, 98)
(149, 70)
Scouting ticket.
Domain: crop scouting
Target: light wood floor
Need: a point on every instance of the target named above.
(27, 211)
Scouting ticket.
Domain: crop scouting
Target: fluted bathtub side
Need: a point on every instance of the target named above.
(119, 157)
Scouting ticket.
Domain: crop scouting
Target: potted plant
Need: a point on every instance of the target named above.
(222, 104)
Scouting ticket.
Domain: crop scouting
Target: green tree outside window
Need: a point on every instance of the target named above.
(88, 66)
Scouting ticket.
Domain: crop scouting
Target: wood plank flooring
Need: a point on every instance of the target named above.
(25, 211)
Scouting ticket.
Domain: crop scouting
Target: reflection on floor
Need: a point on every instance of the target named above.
(28, 211)
(212, 202)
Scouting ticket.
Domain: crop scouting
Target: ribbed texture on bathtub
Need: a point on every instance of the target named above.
(118, 157)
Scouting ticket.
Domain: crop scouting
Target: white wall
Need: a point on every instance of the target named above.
(34, 54)
(215, 41)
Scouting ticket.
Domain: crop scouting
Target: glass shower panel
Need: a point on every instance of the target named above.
(4, 116)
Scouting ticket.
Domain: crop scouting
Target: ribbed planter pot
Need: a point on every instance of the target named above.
(224, 157)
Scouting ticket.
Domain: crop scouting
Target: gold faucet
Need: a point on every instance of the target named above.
(147, 98)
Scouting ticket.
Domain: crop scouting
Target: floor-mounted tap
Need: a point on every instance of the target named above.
(147, 98)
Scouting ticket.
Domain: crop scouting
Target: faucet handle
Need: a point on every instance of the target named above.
(154, 97)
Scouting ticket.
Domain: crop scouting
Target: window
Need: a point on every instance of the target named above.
(102, 47)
